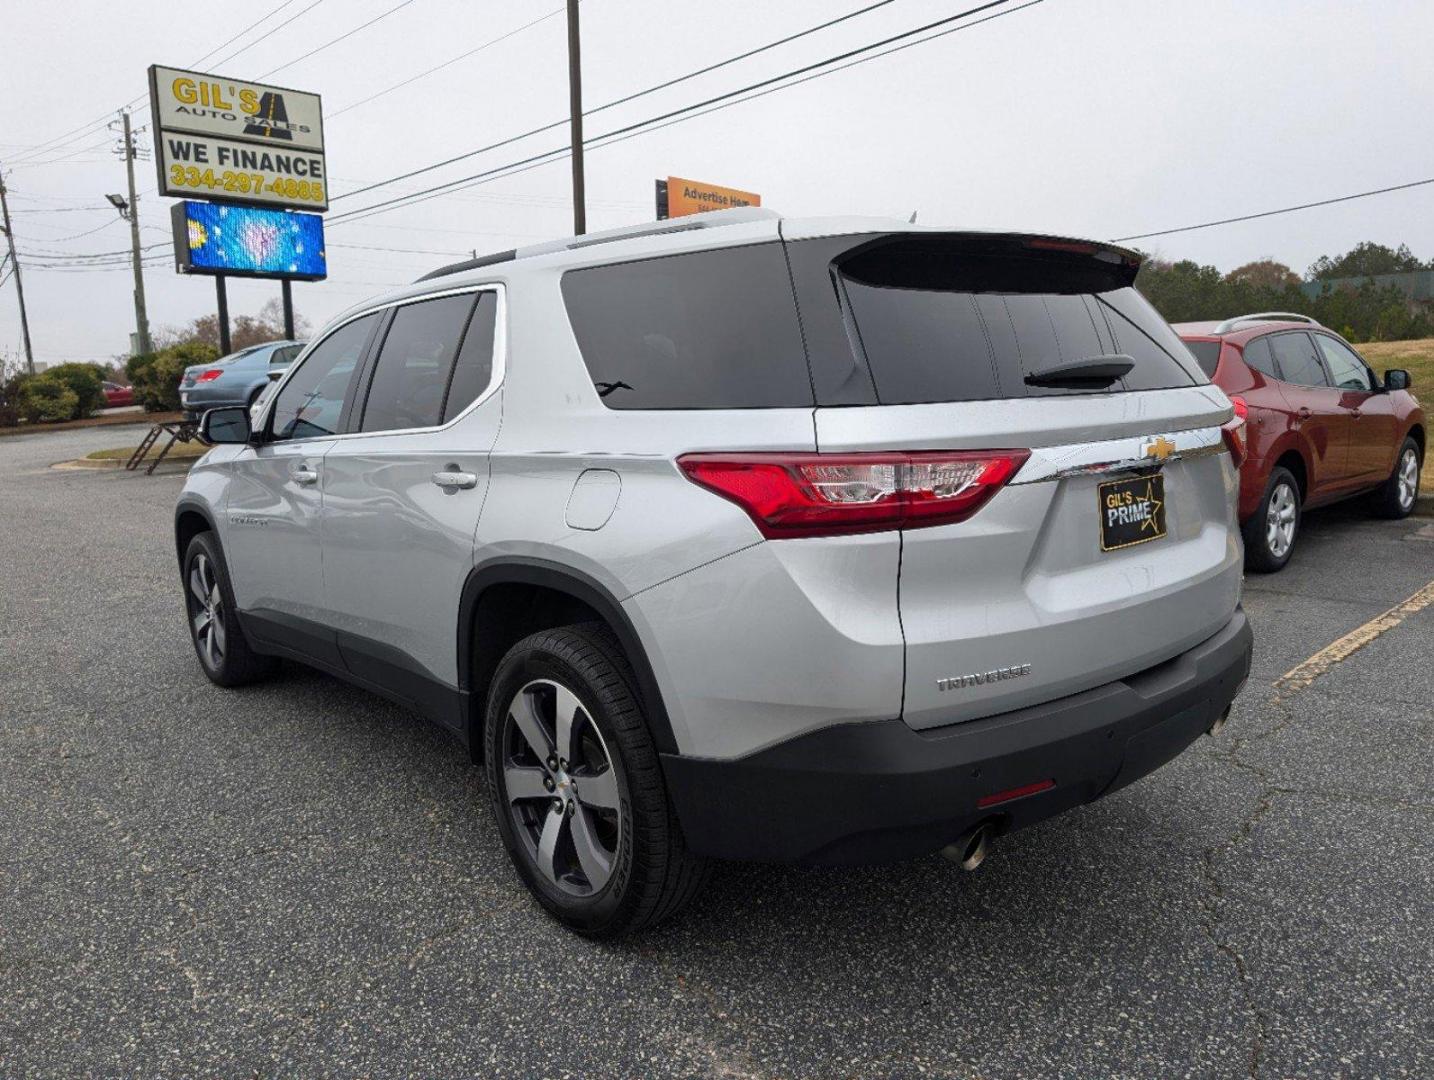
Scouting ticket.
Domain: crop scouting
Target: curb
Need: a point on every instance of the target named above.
(1424, 506)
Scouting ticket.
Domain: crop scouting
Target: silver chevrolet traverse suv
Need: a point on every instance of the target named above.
(834, 540)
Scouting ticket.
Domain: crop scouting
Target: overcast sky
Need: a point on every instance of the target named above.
(1100, 118)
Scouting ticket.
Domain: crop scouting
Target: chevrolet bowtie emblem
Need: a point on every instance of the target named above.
(1160, 448)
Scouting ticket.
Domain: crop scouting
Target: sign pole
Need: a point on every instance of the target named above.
(223, 296)
(575, 109)
(288, 309)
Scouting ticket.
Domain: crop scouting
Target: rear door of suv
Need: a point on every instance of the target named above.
(929, 341)
(404, 484)
(1324, 424)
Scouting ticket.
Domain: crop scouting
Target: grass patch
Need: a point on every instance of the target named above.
(178, 452)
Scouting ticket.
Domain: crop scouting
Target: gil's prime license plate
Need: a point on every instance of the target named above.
(1131, 511)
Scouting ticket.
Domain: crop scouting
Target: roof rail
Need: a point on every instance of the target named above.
(736, 216)
(1263, 316)
(471, 264)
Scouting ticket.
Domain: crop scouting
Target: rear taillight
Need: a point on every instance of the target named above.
(1236, 430)
(828, 494)
(210, 375)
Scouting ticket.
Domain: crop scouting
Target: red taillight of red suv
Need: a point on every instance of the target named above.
(210, 375)
(830, 494)
(1236, 431)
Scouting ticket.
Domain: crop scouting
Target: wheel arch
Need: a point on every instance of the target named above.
(1416, 432)
(190, 519)
(1292, 457)
(505, 600)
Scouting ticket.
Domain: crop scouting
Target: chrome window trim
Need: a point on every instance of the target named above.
(495, 377)
(1050, 463)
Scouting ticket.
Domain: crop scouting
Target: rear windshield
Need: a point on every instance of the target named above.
(935, 319)
(713, 329)
(1207, 355)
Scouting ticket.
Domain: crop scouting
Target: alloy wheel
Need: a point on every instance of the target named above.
(1280, 520)
(206, 611)
(560, 787)
(1408, 478)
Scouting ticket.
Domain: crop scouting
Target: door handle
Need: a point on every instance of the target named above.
(455, 479)
(1305, 414)
(304, 475)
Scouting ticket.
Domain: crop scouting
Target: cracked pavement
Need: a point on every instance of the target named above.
(300, 879)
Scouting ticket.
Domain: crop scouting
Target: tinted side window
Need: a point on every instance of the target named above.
(313, 398)
(1258, 356)
(1345, 367)
(474, 370)
(284, 355)
(413, 367)
(708, 330)
(1295, 353)
(1207, 355)
(1161, 358)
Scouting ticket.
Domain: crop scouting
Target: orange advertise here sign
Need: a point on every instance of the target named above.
(692, 197)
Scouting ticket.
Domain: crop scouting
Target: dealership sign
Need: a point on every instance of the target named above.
(240, 142)
(247, 241)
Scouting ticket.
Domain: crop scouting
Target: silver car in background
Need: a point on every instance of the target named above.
(835, 540)
(236, 379)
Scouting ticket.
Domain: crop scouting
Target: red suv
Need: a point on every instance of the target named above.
(1320, 425)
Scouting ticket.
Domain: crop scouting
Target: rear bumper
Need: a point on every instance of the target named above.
(879, 791)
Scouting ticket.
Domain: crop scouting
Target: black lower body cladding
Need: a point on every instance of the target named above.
(880, 791)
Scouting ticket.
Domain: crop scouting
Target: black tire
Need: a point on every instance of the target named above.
(652, 874)
(1264, 552)
(233, 662)
(1393, 498)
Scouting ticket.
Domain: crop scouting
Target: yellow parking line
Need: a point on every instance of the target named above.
(1300, 676)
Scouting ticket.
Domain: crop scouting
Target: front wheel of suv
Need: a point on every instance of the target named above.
(214, 628)
(575, 785)
(1396, 496)
(1271, 531)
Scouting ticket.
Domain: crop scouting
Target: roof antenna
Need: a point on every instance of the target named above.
(912, 219)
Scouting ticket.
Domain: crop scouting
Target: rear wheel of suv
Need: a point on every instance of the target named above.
(576, 787)
(1271, 531)
(214, 628)
(1395, 497)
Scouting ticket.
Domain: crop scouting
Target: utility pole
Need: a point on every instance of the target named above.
(141, 318)
(575, 107)
(19, 285)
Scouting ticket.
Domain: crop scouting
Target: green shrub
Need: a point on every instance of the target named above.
(46, 399)
(87, 383)
(11, 396)
(135, 364)
(156, 378)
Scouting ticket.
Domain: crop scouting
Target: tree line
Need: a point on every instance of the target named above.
(1185, 291)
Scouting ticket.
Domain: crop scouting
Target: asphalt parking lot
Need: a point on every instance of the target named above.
(300, 879)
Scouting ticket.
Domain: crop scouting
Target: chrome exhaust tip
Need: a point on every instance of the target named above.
(1220, 721)
(970, 851)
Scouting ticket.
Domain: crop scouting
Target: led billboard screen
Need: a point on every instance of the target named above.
(248, 241)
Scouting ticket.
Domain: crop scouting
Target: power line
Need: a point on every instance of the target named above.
(84, 130)
(632, 97)
(335, 41)
(446, 63)
(224, 45)
(639, 127)
(1282, 210)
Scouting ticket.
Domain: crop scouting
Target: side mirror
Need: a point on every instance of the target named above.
(230, 425)
(1397, 379)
